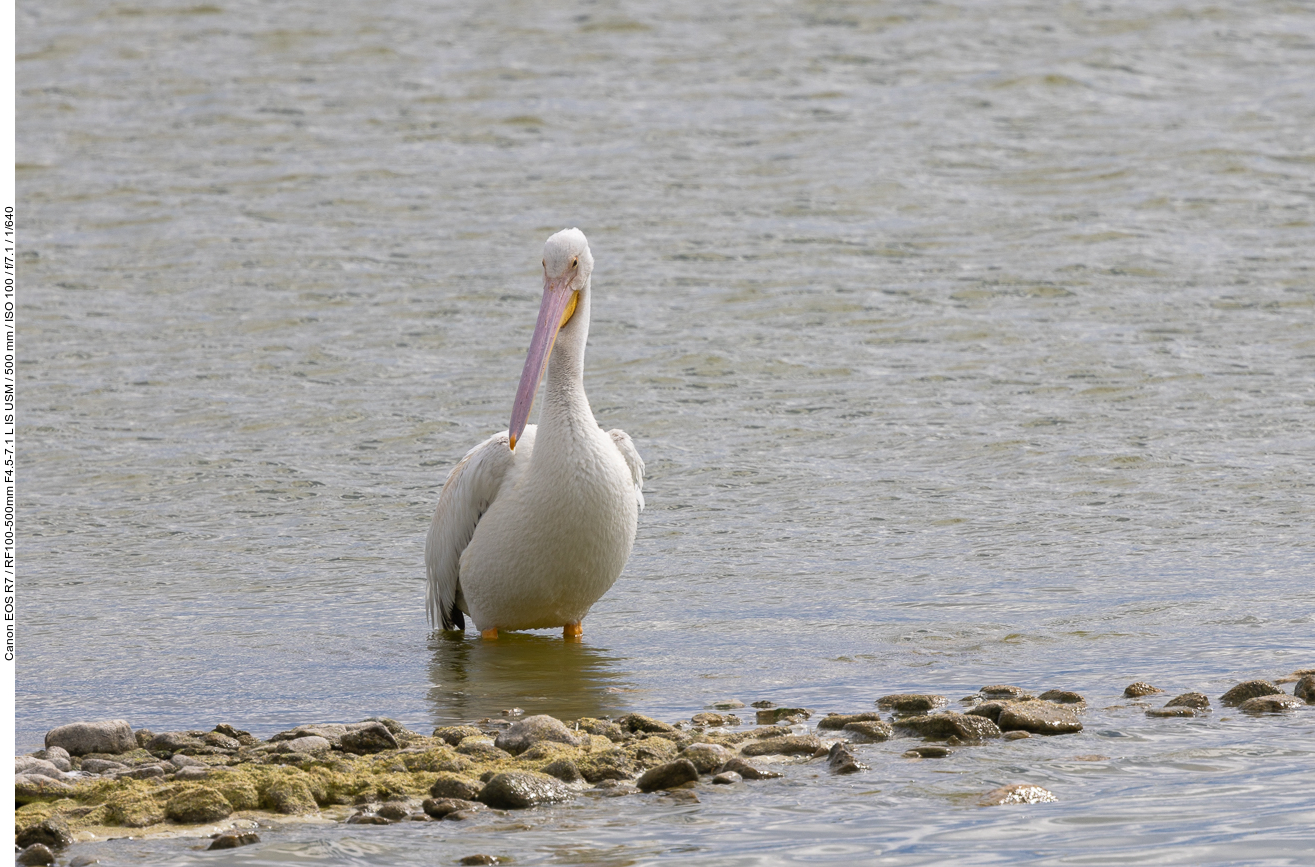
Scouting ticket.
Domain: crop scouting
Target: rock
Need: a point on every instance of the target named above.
(307, 744)
(707, 757)
(168, 743)
(761, 704)
(83, 861)
(33, 765)
(1139, 689)
(1005, 691)
(565, 770)
(453, 735)
(104, 736)
(950, 724)
(394, 810)
(1062, 696)
(517, 790)
(725, 704)
(1246, 690)
(1194, 700)
(927, 753)
(57, 756)
(143, 737)
(726, 779)
(911, 703)
(1270, 704)
(715, 720)
(245, 739)
(668, 776)
(481, 749)
(372, 738)
(331, 732)
(198, 806)
(289, 796)
(191, 774)
(989, 709)
(478, 859)
(612, 764)
(1039, 717)
(747, 770)
(785, 745)
(36, 854)
(455, 786)
(52, 833)
(1170, 712)
(233, 839)
(679, 796)
(1305, 688)
(841, 761)
(840, 720)
(220, 741)
(102, 766)
(651, 752)
(440, 807)
(181, 761)
(143, 772)
(35, 787)
(535, 730)
(364, 818)
(1018, 793)
(1017, 736)
(637, 722)
(771, 716)
(869, 731)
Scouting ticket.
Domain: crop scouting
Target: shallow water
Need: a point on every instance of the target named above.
(965, 343)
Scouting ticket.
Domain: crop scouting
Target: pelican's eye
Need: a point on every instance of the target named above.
(575, 261)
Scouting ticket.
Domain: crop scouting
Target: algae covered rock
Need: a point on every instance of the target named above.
(1248, 689)
(840, 720)
(1006, 692)
(1194, 700)
(869, 731)
(614, 764)
(239, 791)
(453, 735)
(134, 807)
(52, 832)
(1270, 704)
(951, 724)
(785, 745)
(198, 806)
(564, 769)
(1062, 696)
(455, 786)
(36, 787)
(519, 790)
(103, 736)
(715, 720)
(911, 703)
(773, 715)
(288, 795)
(372, 738)
(534, 730)
(1039, 717)
(650, 752)
(637, 722)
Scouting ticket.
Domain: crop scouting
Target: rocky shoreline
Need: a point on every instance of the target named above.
(98, 780)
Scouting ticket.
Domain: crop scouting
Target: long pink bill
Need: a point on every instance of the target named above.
(557, 297)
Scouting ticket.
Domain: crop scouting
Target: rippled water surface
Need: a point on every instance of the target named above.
(965, 343)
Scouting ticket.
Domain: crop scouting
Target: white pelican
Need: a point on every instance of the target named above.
(535, 523)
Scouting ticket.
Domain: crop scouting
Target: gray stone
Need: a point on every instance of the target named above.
(103, 736)
(33, 765)
(1139, 689)
(785, 745)
(1005, 691)
(439, 808)
(102, 766)
(332, 732)
(1246, 690)
(637, 722)
(36, 854)
(1039, 717)
(927, 753)
(172, 742)
(395, 810)
(83, 861)
(535, 730)
(57, 756)
(453, 735)
(518, 790)
(192, 773)
(950, 724)
(454, 786)
(145, 772)
(989, 709)
(747, 770)
(245, 739)
(181, 761)
(840, 720)
(707, 757)
(221, 741)
(482, 748)
(1305, 688)
(1194, 700)
(53, 832)
(869, 732)
(1270, 704)
(233, 839)
(1062, 696)
(726, 704)
(306, 744)
(35, 787)
(668, 776)
(371, 738)
(841, 761)
(911, 703)
(727, 779)
(1018, 793)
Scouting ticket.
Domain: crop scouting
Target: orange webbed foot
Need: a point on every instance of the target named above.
(489, 634)
(572, 631)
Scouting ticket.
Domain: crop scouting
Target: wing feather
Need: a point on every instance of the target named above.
(470, 489)
(628, 451)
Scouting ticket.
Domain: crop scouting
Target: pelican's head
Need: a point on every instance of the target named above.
(567, 264)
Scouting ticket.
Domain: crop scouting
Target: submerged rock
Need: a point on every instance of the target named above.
(519, 790)
(1139, 689)
(1062, 696)
(103, 736)
(1305, 688)
(785, 745)
(614, 764)
(911, 703)
(36, 854)
(1194, 700)
(234, 839)
(706, 757)
(1039, 717)
(1270, 704)
(1247, 690)
(440, 808)
(841, 761)
(52, 833)
(1169, 712)
(747, 770)
(533, 730)
(869, 731)
(840, 720)
(950, 724)
(668, 776)
(728, 778)
(1005, 691)
(1018, 793)
(927, 753)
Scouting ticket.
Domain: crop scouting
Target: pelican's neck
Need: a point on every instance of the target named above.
(564, 403)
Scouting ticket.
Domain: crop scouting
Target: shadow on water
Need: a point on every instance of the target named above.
(540, 674)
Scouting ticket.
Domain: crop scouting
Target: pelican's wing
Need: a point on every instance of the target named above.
(633, 460)
(470, 489)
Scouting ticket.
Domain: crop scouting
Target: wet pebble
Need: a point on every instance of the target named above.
(518, 790)
(1270, 704)
(747, 770)
(52, 832)
(727, 779)
(1018, 793)
(667, 776)
(706, 757)
(1247, 690)
(1005, 691)
(841, 761)
(726, 704)
(715, 720)
(1194, 700)
(564, 769)
(1039, 717)
(534, 730)
(869, 731)
(1139, 689)
(395, 810)
(785, 745)
(911, 703)
(1016, 736)
(1305, 688)
(372, 738)
(36, 854)
(440, 807)
(1169, 712)
(927, 753)
(1062, 696)
(951, 724)
(840, 720)
(481, 858)
(234, 839)
(364, 818)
